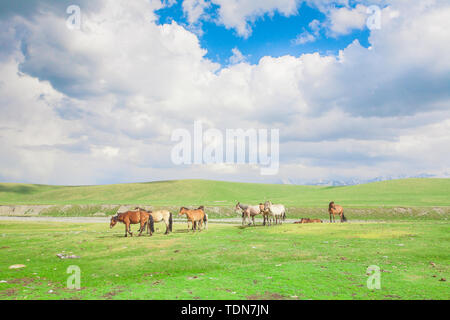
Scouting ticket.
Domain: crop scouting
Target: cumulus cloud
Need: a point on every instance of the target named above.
(240, 14)
(303, 38)
(237, 56)
(194, 9)
(99, 104)
(345, 20)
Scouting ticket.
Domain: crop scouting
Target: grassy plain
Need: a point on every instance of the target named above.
(321, 261)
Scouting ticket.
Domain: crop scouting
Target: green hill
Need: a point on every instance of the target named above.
(393, 193)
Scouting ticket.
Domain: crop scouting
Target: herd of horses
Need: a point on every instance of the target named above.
(271, 213)
(147, 219)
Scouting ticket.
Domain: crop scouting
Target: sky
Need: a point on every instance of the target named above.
(356, 94)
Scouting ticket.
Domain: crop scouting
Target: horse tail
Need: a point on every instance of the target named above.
(170, 222)
(284, 214)
(151, 223)
(205, 220)
(343, 217)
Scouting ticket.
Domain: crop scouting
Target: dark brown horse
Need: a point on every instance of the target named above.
(334, 209)
(132, 217)
(196, 217)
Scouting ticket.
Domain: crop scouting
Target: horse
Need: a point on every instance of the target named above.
(132, 217)
(195, 216)
(308, 220)
(248, 212)
(158, 216)
(276, 211)
(267, 218)
(334, 209)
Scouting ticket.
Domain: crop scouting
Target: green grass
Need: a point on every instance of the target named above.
(228, 262)
(394, 193)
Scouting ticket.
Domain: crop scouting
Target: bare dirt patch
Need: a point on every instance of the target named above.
(269, 296)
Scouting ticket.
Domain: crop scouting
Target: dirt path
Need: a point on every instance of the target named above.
(106, 220)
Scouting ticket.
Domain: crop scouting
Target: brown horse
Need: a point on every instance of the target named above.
(132, 217)
(265, 214)
(308, 220)
(158, 216)
(196, 217)
(248, 212)
(334, 209)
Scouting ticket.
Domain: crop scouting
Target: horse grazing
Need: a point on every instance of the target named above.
(132, 217)
(308, 220)
(195, 216)
(276, 211)
(158, 216)
(248, 212)
(334, 209)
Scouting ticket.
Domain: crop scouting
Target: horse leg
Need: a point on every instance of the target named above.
(127, 229)
(142, 227)
(167, 227)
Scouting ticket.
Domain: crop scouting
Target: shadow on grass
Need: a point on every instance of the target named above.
(17, 189)
(259, 226)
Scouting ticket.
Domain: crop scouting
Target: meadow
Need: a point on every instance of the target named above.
(400, 225)
(393, 193)
(319, 261)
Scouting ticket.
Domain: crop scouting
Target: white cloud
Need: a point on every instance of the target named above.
(239, 14)
(237, 56)
(195, 9)
(345, 20)
(303, 38)
(315, 26)
(99, 105)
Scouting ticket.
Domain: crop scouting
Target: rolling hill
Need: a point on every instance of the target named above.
(423, 192)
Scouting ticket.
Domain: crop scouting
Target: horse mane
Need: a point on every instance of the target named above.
(201, 208)
(243, 206)
(330, 205)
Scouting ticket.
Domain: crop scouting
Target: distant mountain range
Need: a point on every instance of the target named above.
(355, 181)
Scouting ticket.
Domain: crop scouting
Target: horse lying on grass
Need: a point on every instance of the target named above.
(308, 220)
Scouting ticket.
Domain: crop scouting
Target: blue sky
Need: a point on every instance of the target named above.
(100, 103)
(272, 34)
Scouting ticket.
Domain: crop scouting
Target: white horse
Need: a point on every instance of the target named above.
(276, 211)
